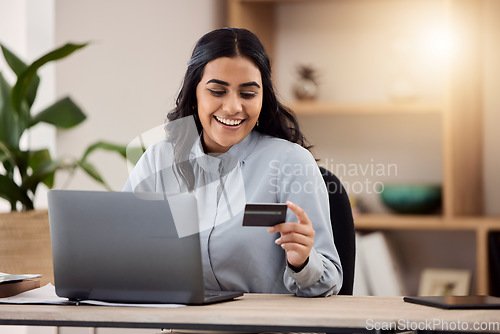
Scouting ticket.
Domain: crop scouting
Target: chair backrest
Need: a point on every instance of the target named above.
(343, 228)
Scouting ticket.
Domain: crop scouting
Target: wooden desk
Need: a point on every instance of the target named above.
(261, 312)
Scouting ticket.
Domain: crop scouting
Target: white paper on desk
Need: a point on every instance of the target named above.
(47, 295)
(99, 303)
(43, 295)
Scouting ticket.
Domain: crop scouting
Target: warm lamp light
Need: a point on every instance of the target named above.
(440, 45)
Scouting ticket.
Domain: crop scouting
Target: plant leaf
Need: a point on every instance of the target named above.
(18, 67)
(90, 169)
(13, 193)
(6, 154)
(45, 170)
(36, 161)
(134, 153)
(22, 160)
(8, 160)
(19, 92)
(11, 127)
(122, 150)
(63, 114)
(92, 172)
(16, 64)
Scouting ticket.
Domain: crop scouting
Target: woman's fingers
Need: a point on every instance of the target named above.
(291, 238)
(297, 239)
(285, 228)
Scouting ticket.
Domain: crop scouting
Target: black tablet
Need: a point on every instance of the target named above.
(457, 302)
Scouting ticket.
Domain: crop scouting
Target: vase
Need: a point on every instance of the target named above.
(305, 89)
(25, 244)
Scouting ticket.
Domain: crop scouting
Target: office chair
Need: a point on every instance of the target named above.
(343, 228)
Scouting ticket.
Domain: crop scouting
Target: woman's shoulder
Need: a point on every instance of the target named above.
(162, 145)
(283, 149)
(278, 142)
(162, 148)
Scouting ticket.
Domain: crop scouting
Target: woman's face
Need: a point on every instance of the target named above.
(229, 97)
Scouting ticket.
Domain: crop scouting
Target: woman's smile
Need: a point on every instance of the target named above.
(231, 122)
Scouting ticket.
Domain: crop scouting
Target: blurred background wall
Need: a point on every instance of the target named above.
(359, 48)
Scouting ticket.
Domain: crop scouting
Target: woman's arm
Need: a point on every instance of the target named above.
(314, 267)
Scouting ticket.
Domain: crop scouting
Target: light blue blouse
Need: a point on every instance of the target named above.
(259, 169)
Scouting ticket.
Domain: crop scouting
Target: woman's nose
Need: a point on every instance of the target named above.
(232, 104)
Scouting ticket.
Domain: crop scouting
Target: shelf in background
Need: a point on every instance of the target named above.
(368, 222)
(332, 108)
(277, 1)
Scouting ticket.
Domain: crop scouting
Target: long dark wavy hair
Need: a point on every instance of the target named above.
(275, 119)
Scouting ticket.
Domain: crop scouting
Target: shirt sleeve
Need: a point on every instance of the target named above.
(301, 183)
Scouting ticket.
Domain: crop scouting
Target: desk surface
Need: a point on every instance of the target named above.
(262, 312)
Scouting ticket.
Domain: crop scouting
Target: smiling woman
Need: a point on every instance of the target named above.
(228, 141)
(229, 99)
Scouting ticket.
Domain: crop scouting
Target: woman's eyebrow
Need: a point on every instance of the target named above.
(220, 82)
(223, 83)
(252, 83)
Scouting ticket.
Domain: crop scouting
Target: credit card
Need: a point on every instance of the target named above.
(260, 214)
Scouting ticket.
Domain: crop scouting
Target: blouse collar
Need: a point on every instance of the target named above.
(228, 160)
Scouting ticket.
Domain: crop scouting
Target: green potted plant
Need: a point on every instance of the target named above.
(25, 169)
(24, 236)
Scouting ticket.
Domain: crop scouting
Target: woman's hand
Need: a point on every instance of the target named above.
(297, 239)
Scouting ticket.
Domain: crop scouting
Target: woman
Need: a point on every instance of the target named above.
(230, 142)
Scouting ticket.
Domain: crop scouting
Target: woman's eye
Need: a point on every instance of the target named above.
(217, 92)
(248, 95)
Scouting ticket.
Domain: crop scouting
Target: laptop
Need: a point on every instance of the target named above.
(457, 302)
(125, 247)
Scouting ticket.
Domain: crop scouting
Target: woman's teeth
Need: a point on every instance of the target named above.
(231, 122)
